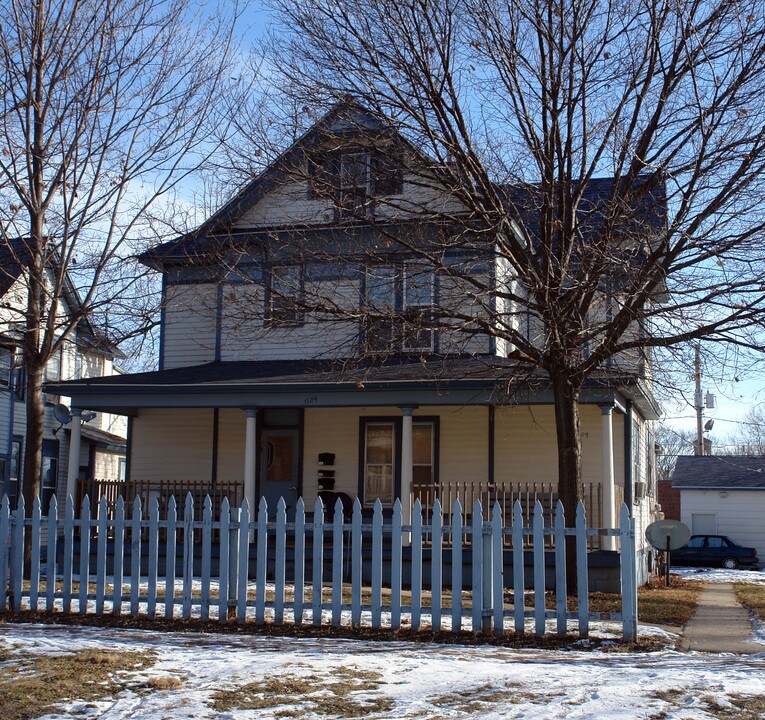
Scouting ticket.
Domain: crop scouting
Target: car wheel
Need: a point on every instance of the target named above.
(730, 563)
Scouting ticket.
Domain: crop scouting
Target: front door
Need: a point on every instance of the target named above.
(279, 468)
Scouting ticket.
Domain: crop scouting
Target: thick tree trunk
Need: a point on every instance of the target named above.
(34, 435)
(570, 490)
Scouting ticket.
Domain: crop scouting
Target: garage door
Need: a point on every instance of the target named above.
(704, 523)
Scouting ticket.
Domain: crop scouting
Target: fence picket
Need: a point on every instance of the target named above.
(539, 570)
(582, 576)
(153, 559)
(477, 570)
(337, 564)
(416, 565)
(261, 563)
(456, 566)
(50, 569)
(5, 551)
(101, 529)
(34, 570)
(85, 555)
(280, 569)
(627, 552)
(395, 566)
(299, 592)
(377, 541)
(204, 611)
(436, 567)
(119, 551)
(497, 570)
(17, 557)
(188, 555)
(356, 557)
(66, 599)
(135, 556)
(244, 562)
(223, 526)
(561, 594)
(519, 598)
(317, 570)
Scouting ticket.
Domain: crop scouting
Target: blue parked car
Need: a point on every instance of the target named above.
(718, 550)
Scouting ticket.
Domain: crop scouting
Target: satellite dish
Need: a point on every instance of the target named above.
(62, 414)
(667, 534)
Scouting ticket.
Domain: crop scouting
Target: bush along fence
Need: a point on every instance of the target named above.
(440, 571)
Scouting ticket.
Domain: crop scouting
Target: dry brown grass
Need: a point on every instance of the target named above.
(731, 707)
(163, 682)
(33, 686)
(345, 692)
(657, 605)
(753, 597)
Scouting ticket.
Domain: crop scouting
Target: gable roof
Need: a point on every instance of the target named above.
(711, 472)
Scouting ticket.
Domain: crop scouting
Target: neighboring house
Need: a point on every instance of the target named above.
(723, 495)
(85, 354)
(257, 395)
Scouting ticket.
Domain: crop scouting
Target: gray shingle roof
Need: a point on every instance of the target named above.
(714, 472)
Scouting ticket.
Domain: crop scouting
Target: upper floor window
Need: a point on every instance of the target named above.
(6, 366)
(52, 370)
(399, 307)
(354, 179)
(285, 294)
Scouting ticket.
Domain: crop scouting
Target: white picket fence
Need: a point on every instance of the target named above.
(236, 537)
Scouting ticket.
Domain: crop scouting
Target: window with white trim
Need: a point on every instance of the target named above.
(285, 294)
(379, 462)
(380, 302)
(418, 307)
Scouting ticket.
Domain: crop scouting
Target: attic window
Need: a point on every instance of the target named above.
(353, 180)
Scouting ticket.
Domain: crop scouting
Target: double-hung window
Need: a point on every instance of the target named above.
(418, 307)
(285, 296)
(379, 462)
(380, 308)
(6, 366)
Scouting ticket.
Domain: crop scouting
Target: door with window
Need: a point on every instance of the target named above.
(279, 468)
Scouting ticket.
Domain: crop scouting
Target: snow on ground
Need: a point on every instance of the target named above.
(720, 575)
(401, 680)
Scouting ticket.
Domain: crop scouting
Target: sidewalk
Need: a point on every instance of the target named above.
(721, 624)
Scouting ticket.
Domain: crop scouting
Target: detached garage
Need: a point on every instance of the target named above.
(723, 496)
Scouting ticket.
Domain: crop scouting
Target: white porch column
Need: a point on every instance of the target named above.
(73, 469)
(250, 450)
(609, 511)
(406, 465)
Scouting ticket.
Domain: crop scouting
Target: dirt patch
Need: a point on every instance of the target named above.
(346, 692)
(484, 697)
(35, 686)
(732, 707)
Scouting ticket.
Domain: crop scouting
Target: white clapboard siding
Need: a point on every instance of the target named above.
(339, 546)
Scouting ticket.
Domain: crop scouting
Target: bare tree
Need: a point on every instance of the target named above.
(749, 438)
(515, 111)
(672, 443)
(106, 105)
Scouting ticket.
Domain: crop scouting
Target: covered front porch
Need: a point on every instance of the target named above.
(243, 430)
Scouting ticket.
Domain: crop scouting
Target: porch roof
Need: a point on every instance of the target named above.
(334, 383)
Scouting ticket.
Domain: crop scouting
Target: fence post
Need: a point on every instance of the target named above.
(17, 554)
(5, 551)
(299, 594)
(34, 570)
(204, 611)
(582, 571)
(519, 604)
(377, 526)
(317, 571)
(233, 560)
(561, 590)
(629, 581)
(456, 566)
(188, 555)
(135, 555)
(436, 566)
(50, 571)
(395, 565)
(261, 562)
(84, 555)
(356, 557)
(539, 570)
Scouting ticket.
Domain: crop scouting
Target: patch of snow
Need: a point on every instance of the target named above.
(417, 680)
(720, 575)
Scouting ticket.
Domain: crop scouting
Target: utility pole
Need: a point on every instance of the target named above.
(698, 403)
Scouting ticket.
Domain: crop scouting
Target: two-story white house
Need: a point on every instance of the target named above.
(291, 362)
(85, 354)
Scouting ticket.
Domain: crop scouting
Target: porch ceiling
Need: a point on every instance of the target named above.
(314, 383)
